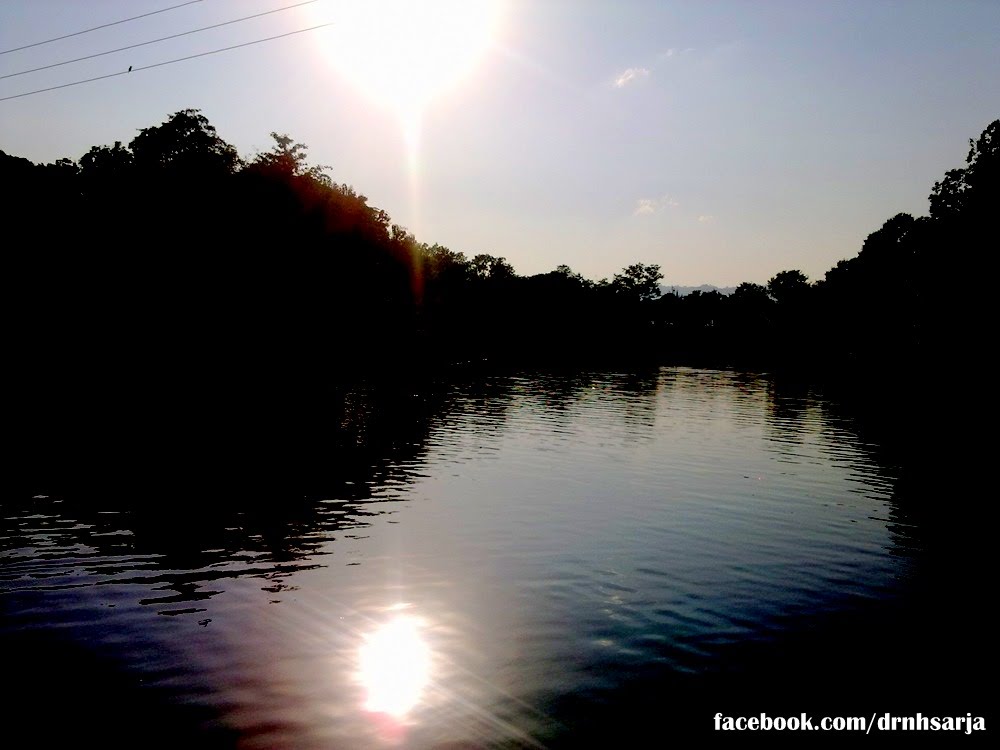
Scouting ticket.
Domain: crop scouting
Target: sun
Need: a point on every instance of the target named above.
(405, 53)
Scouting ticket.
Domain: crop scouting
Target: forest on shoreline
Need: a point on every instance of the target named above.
(176, 243)
(172, 282)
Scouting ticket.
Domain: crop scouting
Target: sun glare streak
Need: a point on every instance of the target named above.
(411, 125)
(395, 665)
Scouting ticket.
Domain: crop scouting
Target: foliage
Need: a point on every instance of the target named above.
(186, 142)
(639, 282)
(287, 159)
(974, 189)
(490, 267)
(788, 287)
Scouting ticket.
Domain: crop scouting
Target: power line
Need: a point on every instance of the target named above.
(166, 62)
(155, 41)
(95, 28)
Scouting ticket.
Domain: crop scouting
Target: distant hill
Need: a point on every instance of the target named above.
(683, 291)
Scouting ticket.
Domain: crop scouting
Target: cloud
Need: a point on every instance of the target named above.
(634, 75)
(674, 52)
(647, 206)
(631, 75)
(706, 219)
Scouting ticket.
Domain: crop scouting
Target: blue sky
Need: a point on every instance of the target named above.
(725, 141)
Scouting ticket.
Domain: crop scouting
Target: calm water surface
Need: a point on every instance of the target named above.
(505, 561)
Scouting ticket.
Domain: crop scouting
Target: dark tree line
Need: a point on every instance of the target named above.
(172, 282)
(910, 298)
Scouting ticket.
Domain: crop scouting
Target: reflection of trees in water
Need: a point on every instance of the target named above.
(557, 391)
(923, 458)
(556, 396)
(895, 443)
(182, 534)
(794, 413)
(478, 403)
(738, 398)
(788, 400)
(326, 476)
(367, 442)
(636, 393)
(791, 409)
(170, 545)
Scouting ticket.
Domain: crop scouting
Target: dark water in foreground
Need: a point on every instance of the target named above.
(520, 560)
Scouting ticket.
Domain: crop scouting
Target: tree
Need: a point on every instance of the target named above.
(105, 160)
(974, 189)
(752, 295)
(440, 262)
(288, 159)
(788, 287)
(491, 267)
(186, 142)
(563, 271)
(106, 169)
(638, 282)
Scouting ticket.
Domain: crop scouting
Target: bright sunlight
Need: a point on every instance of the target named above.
(394, 666)
(403, 53)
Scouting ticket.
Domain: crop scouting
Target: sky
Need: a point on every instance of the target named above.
(724, 141)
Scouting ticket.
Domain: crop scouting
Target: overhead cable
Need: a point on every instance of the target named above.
(156, 41)
(166, 62)
(95, 28)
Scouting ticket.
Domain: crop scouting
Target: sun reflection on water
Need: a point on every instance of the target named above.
(395, 666)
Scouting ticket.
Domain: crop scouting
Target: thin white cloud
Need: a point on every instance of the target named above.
(674, 52)
(706, 219)
(647, 206)
(631, 75)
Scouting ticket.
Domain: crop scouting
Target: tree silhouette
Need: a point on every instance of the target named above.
(199, 261)
(288, 159)
(491, 267)
(185, 142)
(638, 282)
(103, 167)
(975, 188)
(751, 296)
(788, 287)
(576, 278)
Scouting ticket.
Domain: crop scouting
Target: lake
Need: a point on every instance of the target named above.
(518, 560)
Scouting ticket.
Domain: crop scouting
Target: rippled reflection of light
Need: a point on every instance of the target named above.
(395, 666)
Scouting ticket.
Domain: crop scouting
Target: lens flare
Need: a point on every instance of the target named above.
(403, 53)
(395, 665)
